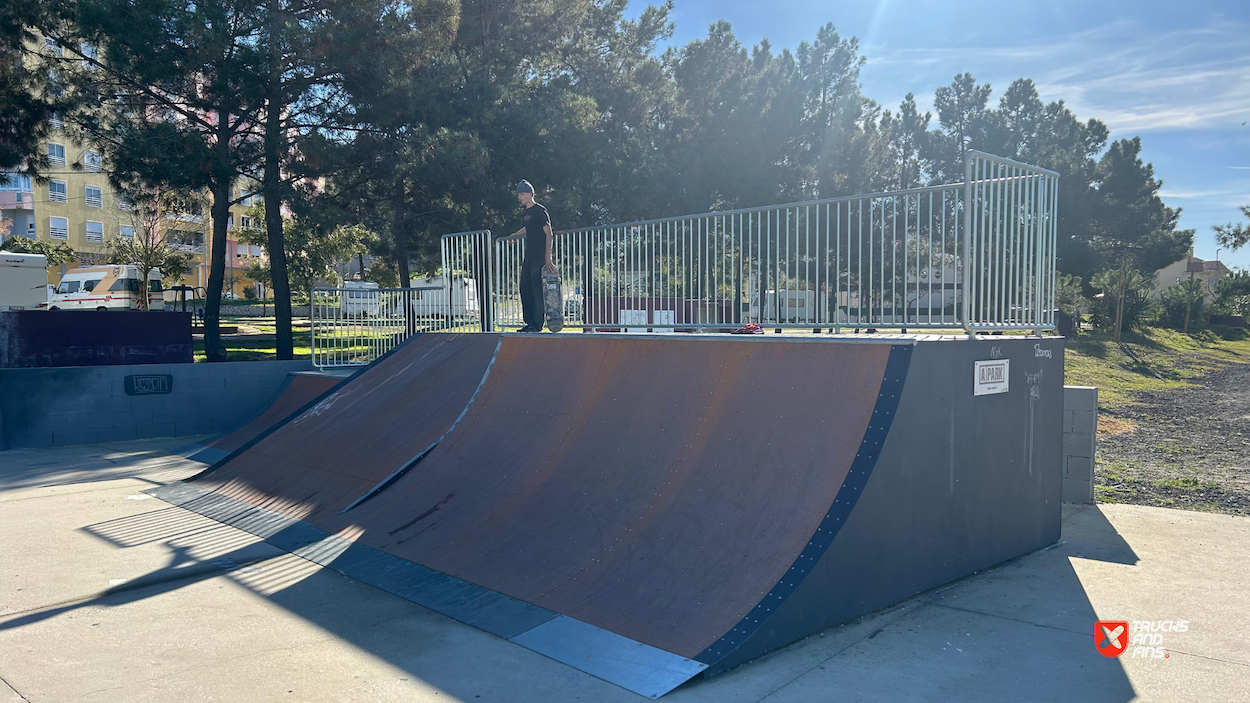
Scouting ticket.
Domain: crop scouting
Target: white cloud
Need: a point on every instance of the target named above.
(1132, 79)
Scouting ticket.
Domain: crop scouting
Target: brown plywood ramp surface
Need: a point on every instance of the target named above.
(296, 392)
(655, 488)
(373, 425)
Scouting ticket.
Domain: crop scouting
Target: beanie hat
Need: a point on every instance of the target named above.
(524, 187)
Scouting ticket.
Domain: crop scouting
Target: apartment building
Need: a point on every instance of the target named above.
(77, 206)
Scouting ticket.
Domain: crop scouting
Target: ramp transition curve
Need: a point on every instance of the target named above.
(647, 509)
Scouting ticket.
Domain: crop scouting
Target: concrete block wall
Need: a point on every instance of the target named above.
(44, 407)
(1080, 436)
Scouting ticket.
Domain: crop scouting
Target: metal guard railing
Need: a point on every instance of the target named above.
(976, 256)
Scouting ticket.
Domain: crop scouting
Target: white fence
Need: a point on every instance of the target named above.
(977, 255)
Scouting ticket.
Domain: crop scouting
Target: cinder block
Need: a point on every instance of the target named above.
(1078, 445)
(119, 433)
(186, 427)
(193, 370)
(203, 383)
(269, 382)
(156, 429)
(1080, 468)
(105, 404)
(1084, 422)
(225, 424)
(157, 403)
(73, 435)
(1080, 398)
(1076, 491)
(32, 438)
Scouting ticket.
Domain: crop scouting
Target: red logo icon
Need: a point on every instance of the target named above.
(1111, 637)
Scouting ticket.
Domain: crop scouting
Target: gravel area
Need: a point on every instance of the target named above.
(1186, 448)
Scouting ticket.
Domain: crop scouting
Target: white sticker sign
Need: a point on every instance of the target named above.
(990, 377)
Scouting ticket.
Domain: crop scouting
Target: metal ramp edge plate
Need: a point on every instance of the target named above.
(632, 665)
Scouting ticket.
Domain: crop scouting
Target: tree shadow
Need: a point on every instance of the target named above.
(201, 549)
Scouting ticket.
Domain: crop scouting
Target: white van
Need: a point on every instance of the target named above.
(360, 299)
(106, 288)
(23, 281)
(430, 298)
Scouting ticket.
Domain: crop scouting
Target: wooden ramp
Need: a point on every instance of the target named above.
(650, 508)
(296, 391)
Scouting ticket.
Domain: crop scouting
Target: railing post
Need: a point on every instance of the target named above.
(966, 307)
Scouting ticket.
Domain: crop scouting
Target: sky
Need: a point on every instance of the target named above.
(1177, 74)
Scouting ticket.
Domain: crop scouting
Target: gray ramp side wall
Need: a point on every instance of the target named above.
(962, 484)
(45, 407)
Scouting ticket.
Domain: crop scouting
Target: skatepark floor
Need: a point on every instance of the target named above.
(107, 594)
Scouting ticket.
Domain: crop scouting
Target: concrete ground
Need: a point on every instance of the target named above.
(109, 595)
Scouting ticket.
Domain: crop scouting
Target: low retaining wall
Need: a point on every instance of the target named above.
(1080, 437)
(40, 338)
(88, 404)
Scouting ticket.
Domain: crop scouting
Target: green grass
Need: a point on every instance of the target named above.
(1185, 483)
(261, 346)
(1152, 360)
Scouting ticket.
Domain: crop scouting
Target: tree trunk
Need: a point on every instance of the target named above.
(271, 187)
(1119, 305)
(213, 348)
(399, 230)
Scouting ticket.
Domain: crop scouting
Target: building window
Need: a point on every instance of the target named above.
(126, 231)
(58, 228)
(95, 232)
(56, 121)
(245, 221)
(91, 161)
(56, 154)
(14, 182)
(95, 196)
(56, 191)
(230, 221)
(51, 47)
(123, 203)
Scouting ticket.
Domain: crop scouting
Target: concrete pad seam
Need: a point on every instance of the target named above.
(1004, 617)
(14, 690)
(903, 610)
(1208, 658)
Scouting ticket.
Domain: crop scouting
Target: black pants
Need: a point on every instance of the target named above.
(532, 305)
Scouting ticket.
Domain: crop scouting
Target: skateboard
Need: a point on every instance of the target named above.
(553, 299)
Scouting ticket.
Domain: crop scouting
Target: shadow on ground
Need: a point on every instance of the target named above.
(1019, 631)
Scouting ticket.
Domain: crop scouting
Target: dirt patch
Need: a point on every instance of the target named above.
(1108, 425)
(1181, 448)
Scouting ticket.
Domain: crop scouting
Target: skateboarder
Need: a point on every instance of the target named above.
(537, 233)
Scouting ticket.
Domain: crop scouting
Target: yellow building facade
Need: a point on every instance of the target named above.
(77, 206)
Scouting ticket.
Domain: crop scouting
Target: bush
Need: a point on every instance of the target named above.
(1172, 304)
(1232, 334)
(1140, 307)
(249, 293)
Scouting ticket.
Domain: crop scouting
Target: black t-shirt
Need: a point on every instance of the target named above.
(536, 218)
